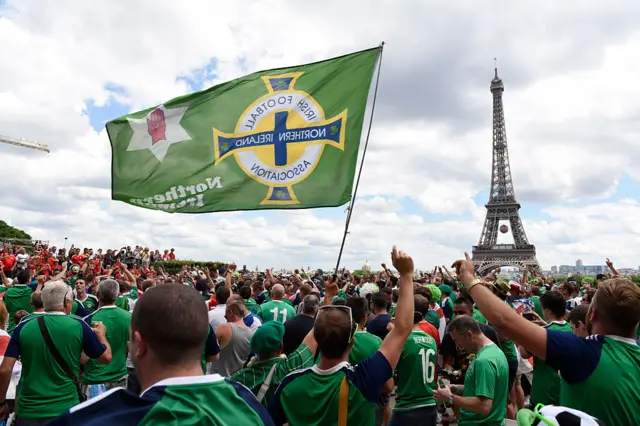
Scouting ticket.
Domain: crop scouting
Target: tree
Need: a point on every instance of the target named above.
(8, 231)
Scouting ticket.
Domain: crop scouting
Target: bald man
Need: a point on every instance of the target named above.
(276, 309)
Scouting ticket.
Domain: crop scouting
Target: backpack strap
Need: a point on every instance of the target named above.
(58, 357)
(265, 385)
(343, 402)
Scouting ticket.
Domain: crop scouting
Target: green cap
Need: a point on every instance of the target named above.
(445, 289)
(267, 338)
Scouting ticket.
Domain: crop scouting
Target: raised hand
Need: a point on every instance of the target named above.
(464, 268)
(157, 126)
(401, 261)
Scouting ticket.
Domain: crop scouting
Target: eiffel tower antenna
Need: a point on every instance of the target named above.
(502, 204)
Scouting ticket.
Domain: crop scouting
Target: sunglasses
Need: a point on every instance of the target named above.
(343, 308)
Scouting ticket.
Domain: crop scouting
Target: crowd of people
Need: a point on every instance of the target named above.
(101, 340)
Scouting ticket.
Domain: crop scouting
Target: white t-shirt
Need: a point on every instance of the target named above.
(22, 259)
(216, 316)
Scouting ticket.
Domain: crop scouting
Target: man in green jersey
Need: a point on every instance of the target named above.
(166, 355)
(366, 344)
(483, 399)
(600, 372)
(245, 292)
(264, 373)
(99, 378)
(45, 390)
(339, 393)
(416, 373)
(545, 388)
(18, 297)
(276, 309)
(89, 301)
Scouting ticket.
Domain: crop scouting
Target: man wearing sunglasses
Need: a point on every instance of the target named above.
(343, 394)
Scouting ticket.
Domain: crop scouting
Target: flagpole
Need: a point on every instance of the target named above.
(364, 153)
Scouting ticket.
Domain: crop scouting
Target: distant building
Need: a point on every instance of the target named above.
(554, 269)
(579, 263)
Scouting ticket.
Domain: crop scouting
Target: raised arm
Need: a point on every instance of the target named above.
(394, 342)
(499, 314)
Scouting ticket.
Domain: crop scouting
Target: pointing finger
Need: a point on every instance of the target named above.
(394, 252)
(466, 255)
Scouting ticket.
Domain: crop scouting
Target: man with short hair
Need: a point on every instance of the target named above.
(578, 320)
(600, 371)
(45, 390)
(342, 394)
(18, 297)
(483, 398)
(89, 301)
(297, 328)
(234, 338)
(250, 319)
(167, 355)
(245, 292)
(217, 314)
(98, 378)
(276, 309)
(545, 388)
(378, 324)
(265, 372)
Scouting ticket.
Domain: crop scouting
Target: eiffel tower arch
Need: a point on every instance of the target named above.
(502, 205)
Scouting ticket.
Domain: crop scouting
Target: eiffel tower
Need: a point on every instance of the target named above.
(502, 204)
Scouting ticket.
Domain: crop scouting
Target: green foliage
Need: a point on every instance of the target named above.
(360, 273)
(175, 266)
(8, 231)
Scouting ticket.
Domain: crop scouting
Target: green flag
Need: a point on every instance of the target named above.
(282, 138)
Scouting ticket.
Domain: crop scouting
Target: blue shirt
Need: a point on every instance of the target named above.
(378, 325)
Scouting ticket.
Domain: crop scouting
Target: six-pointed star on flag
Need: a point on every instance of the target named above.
(157, 131)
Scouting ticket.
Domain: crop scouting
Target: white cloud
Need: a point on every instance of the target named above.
(571, 107)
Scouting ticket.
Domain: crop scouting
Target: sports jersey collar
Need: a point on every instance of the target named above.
(330, 371)
(52, 313)
(188, 380)
(19, 285)
(623, 339)
(562, 322)
(107, 307)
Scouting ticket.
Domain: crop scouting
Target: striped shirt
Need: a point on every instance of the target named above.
(255, 374)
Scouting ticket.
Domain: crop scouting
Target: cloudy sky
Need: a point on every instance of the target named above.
(573, 121)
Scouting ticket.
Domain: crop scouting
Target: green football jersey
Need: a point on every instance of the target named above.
(188, 401)
(537, 306)
(364, 345)
(600, 375)
(321, 391)
(488, 376)
(416, 372)
(509, 349)
(44, 389)
(117, 322)
(90, 304)
(122, 302)
(16, 298)
(255, 374)
(545, 388)
(477, 315)
(276, 310)
(252, 306)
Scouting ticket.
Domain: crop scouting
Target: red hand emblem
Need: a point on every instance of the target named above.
(156, 126)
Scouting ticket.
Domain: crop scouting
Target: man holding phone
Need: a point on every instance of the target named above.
(545, 388)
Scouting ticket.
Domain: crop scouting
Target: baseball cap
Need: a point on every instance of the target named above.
(267, 338)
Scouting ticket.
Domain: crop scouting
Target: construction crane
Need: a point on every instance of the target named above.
(25, 143)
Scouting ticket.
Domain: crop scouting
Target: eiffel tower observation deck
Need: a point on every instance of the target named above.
(502, 204)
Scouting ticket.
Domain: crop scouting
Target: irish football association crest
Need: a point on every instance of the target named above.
(279, 139)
